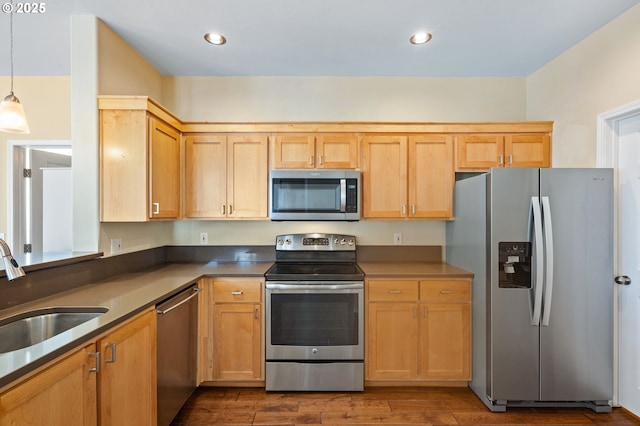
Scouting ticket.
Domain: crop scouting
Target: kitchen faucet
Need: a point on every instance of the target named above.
(11, 267)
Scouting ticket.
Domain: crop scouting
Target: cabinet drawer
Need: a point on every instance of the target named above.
(392, 290)
(237, 291)
(446, 291)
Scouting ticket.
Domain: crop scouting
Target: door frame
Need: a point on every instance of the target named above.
(12, 144)
(607, 155)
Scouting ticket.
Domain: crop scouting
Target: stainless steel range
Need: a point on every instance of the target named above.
(315, 315)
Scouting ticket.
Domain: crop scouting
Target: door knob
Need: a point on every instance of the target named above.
(622, 280)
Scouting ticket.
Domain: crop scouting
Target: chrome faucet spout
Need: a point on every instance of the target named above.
(11, 267)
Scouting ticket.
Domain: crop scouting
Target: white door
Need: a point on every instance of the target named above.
(629, 262)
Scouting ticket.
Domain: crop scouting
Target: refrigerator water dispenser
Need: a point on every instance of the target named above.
(514, 264)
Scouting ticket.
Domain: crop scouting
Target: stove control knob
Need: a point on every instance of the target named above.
(280, 242)
(351, 242)
(287, 241)
(343, 241)
(314, 350)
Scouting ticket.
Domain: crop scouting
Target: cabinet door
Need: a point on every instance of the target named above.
(480, 151)
(391, 342)
(123, 166)
(532, 150)
(205, 176)
(127, 385)
(63, 394)
(384, 176)
(293, 152)
(445, 341)
(238, 353)
(164, 172)
(431, 176)
(337, 152)
(247, 176)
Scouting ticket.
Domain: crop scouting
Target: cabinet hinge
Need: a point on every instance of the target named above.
(26, 173)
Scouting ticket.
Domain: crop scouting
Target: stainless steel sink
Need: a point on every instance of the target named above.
(29, 328)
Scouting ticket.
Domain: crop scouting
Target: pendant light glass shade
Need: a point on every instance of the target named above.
(12, 118)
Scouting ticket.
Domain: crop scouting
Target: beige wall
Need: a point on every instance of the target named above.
(598, 74)
(121, 70)
(47, 105)
(345, 98)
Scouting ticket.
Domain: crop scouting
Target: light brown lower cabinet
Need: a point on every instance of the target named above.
(418, 331)
(232, 331)
(77, 390)
(127, 378)
(61, 394)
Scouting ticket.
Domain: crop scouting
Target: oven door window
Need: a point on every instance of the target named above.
(314, 319)
(307, 195)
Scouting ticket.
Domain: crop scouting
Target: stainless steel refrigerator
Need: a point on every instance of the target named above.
(540, 243)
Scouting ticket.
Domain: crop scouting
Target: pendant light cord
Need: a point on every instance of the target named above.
(11, 43)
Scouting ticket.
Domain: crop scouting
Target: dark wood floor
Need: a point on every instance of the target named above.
(423, 406)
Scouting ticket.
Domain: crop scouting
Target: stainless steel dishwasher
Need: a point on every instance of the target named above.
(177, 352)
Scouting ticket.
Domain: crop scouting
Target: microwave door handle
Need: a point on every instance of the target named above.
(343, 195)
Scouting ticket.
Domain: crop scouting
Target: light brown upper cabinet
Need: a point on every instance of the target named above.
(139, 166)
(483, 151)
(226, 176)
(407, 176)
(322, 151)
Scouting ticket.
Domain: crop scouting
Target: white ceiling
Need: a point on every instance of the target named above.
(318, 37)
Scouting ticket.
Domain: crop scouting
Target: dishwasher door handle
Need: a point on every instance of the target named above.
(196, 290)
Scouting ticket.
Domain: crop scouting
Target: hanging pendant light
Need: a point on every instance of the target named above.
(12, 118)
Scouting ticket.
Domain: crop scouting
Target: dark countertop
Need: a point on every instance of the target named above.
(128, 294)
(124, 295)
(36, 261)
(413, 270)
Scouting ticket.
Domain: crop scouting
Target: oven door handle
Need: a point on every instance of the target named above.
(297, 287)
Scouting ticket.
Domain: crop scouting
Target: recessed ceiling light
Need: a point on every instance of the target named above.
(420, 38)
(214, 38)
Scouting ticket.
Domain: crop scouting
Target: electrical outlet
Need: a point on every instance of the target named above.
(116, 245)
(204, 238)
(397, 238)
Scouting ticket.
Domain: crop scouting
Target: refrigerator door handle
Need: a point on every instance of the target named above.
(537, 230)
(548, 246)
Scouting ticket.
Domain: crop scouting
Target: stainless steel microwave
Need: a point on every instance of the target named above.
(314, 195)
